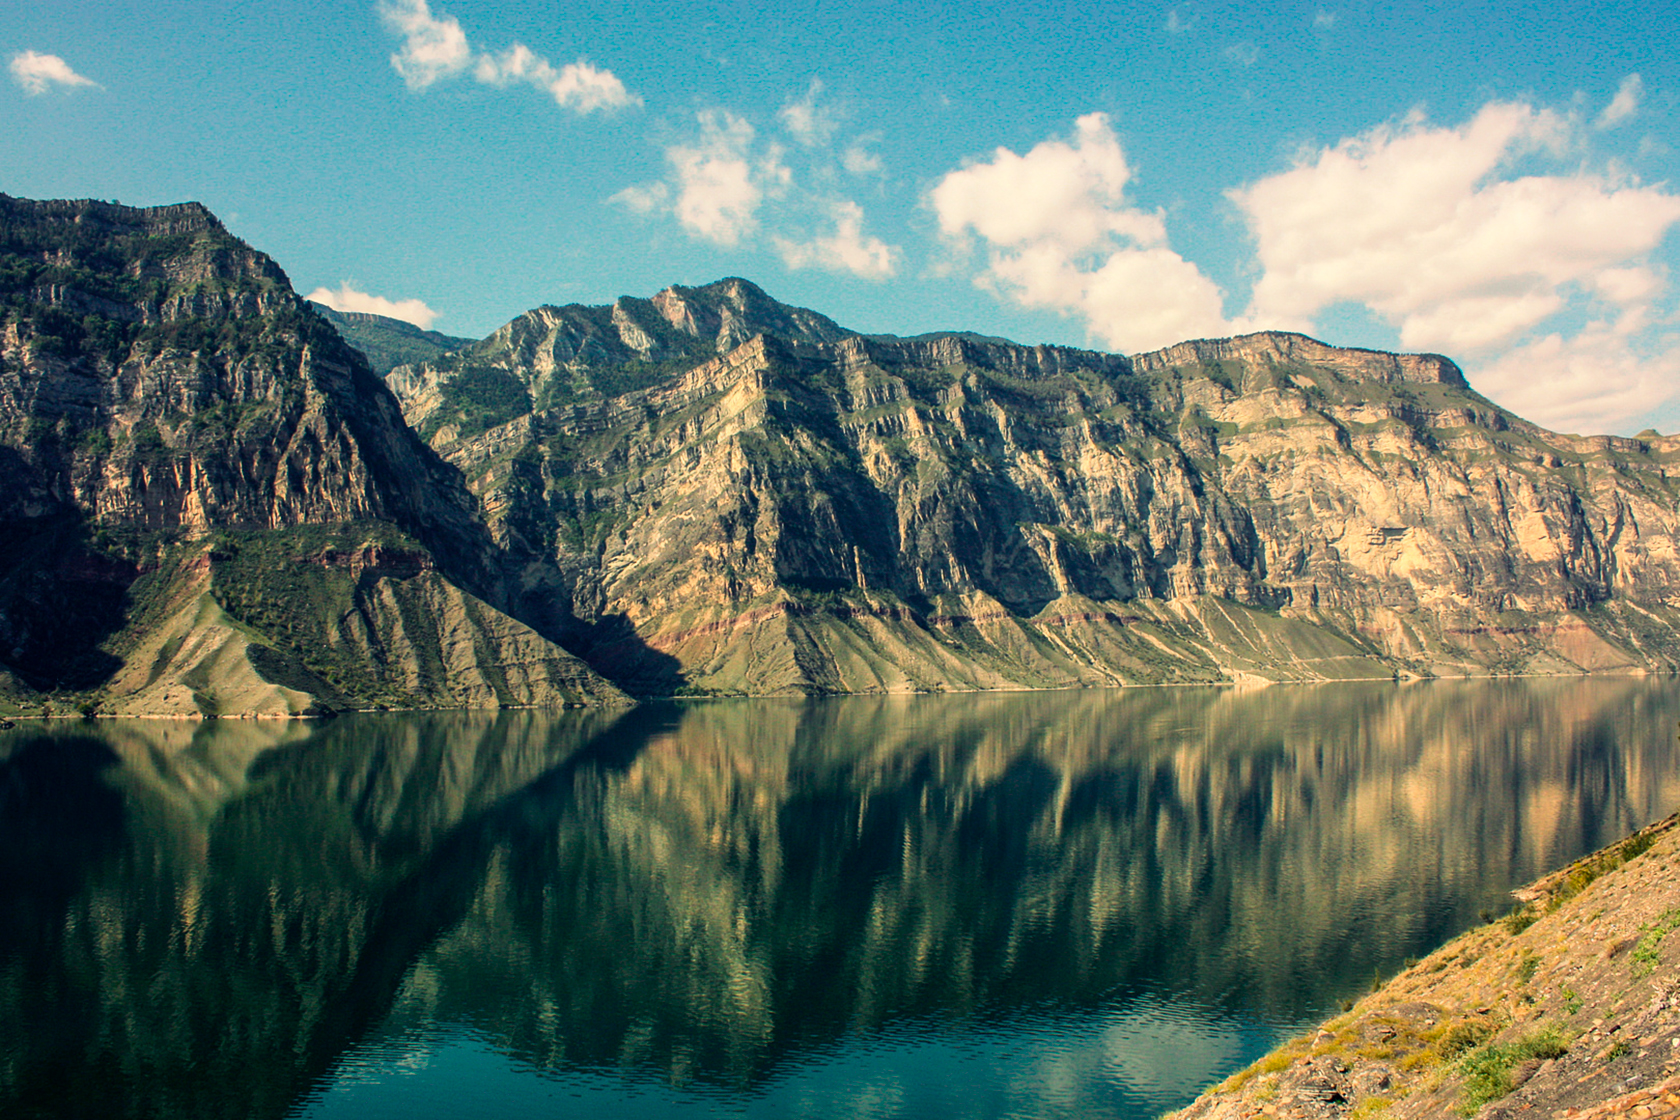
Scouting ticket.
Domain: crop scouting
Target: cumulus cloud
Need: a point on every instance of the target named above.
(346, 298)
(1624, 104)
(1415, 223)
(37, 73)
(577, 85)
(730, 185)
(809, 123)
(719, 185)
(1597, 380)
(847, 250)
(1433, 230)
(859, 160)
(718, 181)
(432, 48)
(1060, 234)
(435, 48)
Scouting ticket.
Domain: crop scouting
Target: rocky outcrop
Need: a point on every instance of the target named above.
(811, 512)
(162, 386)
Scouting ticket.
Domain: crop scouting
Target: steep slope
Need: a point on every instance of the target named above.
(1564, 1008)
(165, 395)
(718, 493)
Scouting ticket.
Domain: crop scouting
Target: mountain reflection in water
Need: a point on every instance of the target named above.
(228, 919)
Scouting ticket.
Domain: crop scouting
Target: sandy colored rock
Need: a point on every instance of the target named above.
(1531, 1003)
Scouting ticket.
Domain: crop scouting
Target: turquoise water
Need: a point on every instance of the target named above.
(1022, 905)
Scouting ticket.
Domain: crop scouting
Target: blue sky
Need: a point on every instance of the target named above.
(1496, 182)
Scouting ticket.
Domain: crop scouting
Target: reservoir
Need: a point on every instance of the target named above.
(1063, 904)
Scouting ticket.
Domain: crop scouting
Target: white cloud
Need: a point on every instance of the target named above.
(577, 85)
(857, 159)
(36, 73)
(1062, 236)
(435, 48)
(1415, 223)
(811, 124)
(1629, 287)
(1324, 20)
(347, 298)
(718, 187)
(725, 182)
(1595, 381)
(848, 250)
(432, 48)
(1624, 104)
(643, 198)
(718, 182)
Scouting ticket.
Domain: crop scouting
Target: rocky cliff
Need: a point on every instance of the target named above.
(709, 491)
(719, 493)
(165, 397)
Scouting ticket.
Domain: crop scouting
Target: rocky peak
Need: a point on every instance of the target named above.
(732, 310)
(158, 265)
(161, 383)
(159, 372)
(110, 217)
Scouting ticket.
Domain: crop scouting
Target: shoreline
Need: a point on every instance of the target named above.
(1569, 1006)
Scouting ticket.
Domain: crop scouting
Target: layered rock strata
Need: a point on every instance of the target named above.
(711, 492)
(162, 387)
(728, 495)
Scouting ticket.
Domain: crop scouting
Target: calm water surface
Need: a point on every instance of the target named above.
(1071, 904)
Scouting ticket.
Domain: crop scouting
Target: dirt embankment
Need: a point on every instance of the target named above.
(1568, 1007)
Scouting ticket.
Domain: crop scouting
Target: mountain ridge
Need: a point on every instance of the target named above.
(949, 400)
(708, 491)
(387, 342)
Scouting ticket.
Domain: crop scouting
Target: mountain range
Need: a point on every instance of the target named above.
(221, 499)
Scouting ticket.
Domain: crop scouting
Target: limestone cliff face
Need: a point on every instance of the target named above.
(711, 491)
(813, 511)
(161, 385)
(158, 373)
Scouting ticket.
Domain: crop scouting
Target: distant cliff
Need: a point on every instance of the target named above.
(387, 342)
(771, 503)
(213, 504)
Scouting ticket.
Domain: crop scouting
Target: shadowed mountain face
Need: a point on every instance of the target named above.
(712, 894)
(386, 342)
(779, 505)
(168, 404)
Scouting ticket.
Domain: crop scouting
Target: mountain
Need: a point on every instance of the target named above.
(210, 502)
(718, 493)
(386, 342)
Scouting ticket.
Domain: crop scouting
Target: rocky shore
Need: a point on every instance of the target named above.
(1567, 1007)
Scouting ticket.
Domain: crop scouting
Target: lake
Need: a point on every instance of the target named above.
(1003, 905)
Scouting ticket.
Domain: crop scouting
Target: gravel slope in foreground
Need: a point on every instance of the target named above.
(1568, 1007)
